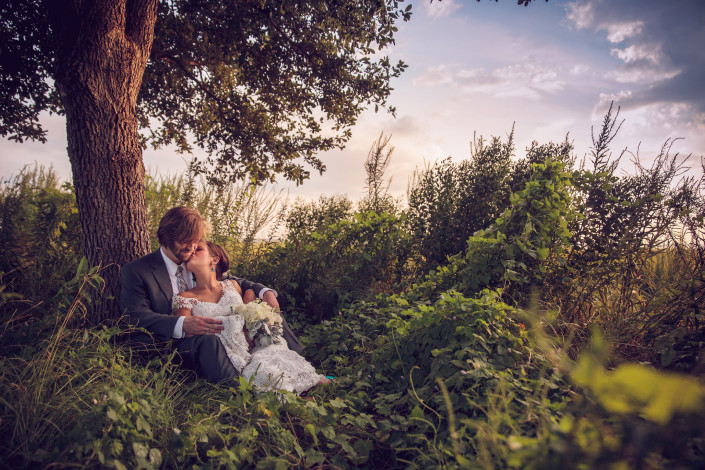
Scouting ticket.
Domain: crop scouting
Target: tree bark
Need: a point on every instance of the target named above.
(102, 51)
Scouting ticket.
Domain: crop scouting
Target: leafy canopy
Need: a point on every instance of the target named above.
(261, 86)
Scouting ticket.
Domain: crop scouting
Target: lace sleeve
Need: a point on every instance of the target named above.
(178, 302)
(231, 285)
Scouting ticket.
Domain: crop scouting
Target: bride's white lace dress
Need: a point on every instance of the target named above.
(273, 367)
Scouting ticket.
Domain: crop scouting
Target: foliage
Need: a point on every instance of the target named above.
(638, 389)
(348, 260)
(632, 416)
(24, 90)
(305, 218)
(627, 227)
(460, 382)
(456, 382)
(445, 370)
(516, 251)
(210, 81)
(448, 202)
(39, 233)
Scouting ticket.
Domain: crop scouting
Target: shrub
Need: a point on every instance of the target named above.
(348, 260)
(306, 218)
(449, 202)
(39, 232)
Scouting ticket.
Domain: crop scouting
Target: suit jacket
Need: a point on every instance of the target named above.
(146, 297)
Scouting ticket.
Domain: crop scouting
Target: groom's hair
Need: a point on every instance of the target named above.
(224, 262)
(182, 225)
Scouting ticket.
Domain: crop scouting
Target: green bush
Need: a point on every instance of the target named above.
(449, 202)
(345, 261)
(39, 233)
(305, 218)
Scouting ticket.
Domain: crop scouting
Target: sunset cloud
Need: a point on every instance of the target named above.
(438, 9)
(525, 80)
(659, 46)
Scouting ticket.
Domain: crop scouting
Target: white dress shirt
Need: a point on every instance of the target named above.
(190, 284)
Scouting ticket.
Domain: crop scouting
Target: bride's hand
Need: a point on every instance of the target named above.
(201, 326)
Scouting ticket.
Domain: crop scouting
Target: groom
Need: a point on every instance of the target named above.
(149, 283)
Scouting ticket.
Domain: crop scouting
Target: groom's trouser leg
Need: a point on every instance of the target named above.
(291, 340)
(206, 355)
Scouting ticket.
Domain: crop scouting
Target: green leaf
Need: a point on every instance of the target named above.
(328, 432)
(634, 388)
(416, 412)
(543, 252)
(313, 457)
(117, 464)
(337, 403)
(310, 429)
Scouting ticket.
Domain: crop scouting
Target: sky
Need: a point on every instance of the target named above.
(550, 70)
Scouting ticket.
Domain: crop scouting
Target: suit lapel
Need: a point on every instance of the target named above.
(161, 275)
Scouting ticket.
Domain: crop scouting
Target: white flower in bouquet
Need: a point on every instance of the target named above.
(264, 324)
(258, 311)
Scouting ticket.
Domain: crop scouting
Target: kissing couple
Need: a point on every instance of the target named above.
(183, 292)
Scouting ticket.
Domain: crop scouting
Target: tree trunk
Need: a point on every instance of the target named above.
(102, 52)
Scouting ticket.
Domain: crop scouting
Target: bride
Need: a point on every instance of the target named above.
(273, 366)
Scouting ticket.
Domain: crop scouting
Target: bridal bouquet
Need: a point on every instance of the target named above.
(263, 323)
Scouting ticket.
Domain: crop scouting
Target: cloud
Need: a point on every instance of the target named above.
(524, 80)
(404, 126)
(618, 32)
(579, 69)
(607, 98)
(434, 76)
(640, 53)
(439, 9)
(659, 45)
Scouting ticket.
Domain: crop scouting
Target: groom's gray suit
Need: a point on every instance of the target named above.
(146, 299)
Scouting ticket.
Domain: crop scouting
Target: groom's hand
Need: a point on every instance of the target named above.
(270, 299)
(248, 296)
(201, 326)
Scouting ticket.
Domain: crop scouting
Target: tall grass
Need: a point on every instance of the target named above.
(240, 215)
(39, 232)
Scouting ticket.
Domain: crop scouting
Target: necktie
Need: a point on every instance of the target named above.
(180, 281)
